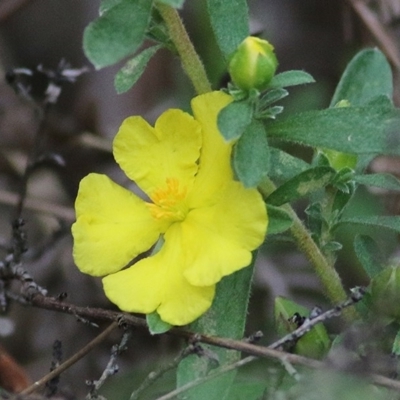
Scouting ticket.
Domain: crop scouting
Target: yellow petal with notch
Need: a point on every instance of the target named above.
(150, 156)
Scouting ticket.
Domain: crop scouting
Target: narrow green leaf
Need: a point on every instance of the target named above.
(301, 185)
(367, 76)
(272, 96)
(392, 222)
(156, 324)
(113, 36)
(290, 78)
(229, 21)
(173, 3)
(331, 247)
(285, 166)
(226, 318)
(368, 254)
(251, 159)
(129, 74)
(368, 129)
(278, 220)
(384, 181)
(234, 119)
(270, 113)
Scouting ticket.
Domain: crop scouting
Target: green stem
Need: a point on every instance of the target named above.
(326, 235)
(324, 270)
(191, 62)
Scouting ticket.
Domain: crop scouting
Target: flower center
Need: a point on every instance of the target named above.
(169, 203)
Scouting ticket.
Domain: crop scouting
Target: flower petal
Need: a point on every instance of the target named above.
(113, 226)
(218, 240)
(157, 283)
(151, 155)
(215, 163)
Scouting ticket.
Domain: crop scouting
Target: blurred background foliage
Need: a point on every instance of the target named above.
(319, 37)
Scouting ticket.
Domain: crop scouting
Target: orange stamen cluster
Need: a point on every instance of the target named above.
(169, 203)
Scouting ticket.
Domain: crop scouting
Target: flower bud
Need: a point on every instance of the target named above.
(253, 64)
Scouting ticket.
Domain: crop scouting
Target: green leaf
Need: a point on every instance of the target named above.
(290, 78)
(229, 21)
(284, 166)
(251, 155)
(113, 35)
(385, 293)
(272, 96)
(367, 76)
(249, 390)
(226, 318)
(234, 119)
(105, 5)
(392, 222)
(173, 3)
(278, 220)
(396, 345)
(315, 343)
(331, 247)
(129, 74)
(301, 185)
(368, 129)
(368, 254)
(270, 113)
(156, 324)
(384, 181)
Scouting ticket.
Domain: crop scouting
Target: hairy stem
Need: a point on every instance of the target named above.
(324, 270)
(191, 62)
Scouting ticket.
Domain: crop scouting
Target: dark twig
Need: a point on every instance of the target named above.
(130, 320)
(111, 368)
(154, 375)
(39, 205)
(309, 323)
(72, 360)
(285, 359)
(52, 384)
(384, 40)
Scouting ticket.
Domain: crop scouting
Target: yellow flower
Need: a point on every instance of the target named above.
(209, 222)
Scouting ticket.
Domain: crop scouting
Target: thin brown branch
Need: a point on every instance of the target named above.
(62, 212)
(248, 348)
(212, 375)
(154, 375)
(71, 361)
(387, 44)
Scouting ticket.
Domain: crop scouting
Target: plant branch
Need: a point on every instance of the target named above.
(324, 270)
(62, 212)
(112, 367)
(385, 41)
(154, 375)
(254, 350)
(72, 360)
(191, 62)
(212, 375)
